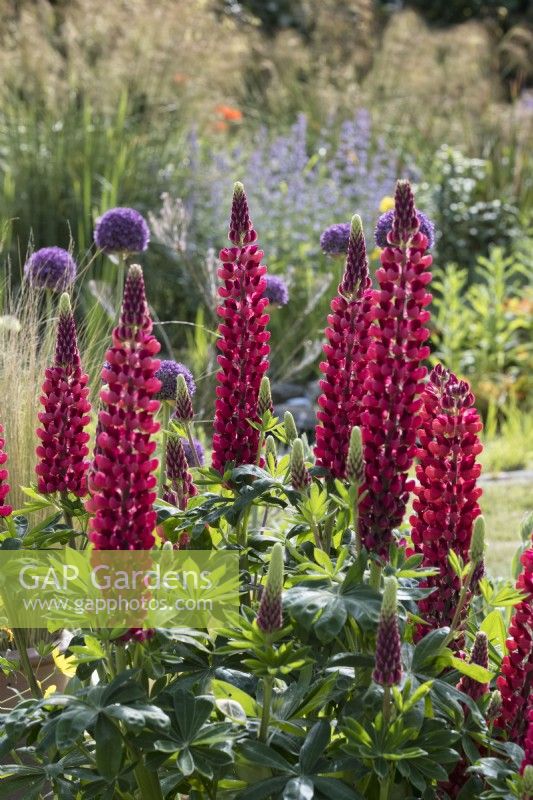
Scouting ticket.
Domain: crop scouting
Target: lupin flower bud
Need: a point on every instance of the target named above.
(477, 545)
(122, 481)
(5, 509)
(271, 450)
(265, 397)
(300, 477)
(289, 425)
(270, 614)
(243, 342)
(388, 666)
(479, 656)
(394, 374)
(241, 230)
(405, 222)
(63, 449)
(184, 411)
(446, 504)
(345, 363)
(355, 465)
(180, 487)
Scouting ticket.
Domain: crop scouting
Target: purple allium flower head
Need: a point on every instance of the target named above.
(334, 240)
(384, 226)
(51, 268)
(122, 230)
(276, 290)
(200, 453)
(168, 375)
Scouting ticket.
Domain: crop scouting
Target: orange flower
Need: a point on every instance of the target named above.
(180, 77)
(229, 113)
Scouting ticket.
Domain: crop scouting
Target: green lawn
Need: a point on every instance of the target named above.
(504, 504)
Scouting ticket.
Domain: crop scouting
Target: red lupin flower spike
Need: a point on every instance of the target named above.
(5, 509)
(516, 672)
(394, 374)
(243, 342)
(122, 481)
(528, 742)
(447, 494)
(474, 689)
(63, 449)
(345, 365)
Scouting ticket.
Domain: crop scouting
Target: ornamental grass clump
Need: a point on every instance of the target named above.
(243, 342)
(446, 495)
(344, 367)
(395, 373)
(63, 449)
(122, 482)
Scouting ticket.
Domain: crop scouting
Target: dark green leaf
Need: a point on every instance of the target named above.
(108, 748)
(315, 743)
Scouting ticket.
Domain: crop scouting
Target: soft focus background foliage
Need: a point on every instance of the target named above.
(317, 105)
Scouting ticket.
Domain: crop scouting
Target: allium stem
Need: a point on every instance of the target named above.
(119, 290)
(165, 419)
(190, 439)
